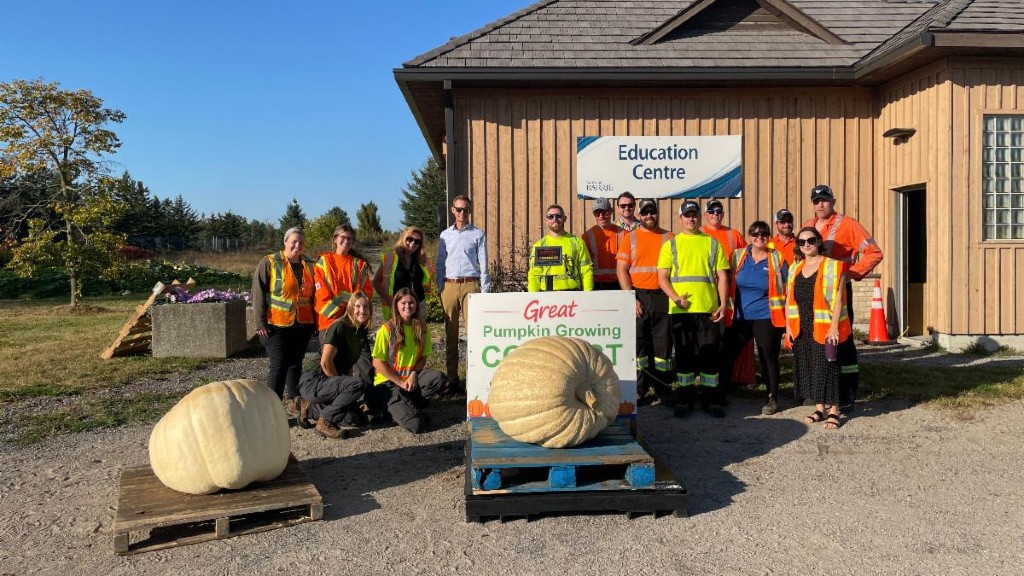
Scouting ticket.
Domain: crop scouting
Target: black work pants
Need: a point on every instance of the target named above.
(286, 348)
(697, 340)
(332, 397)
(849, 369)
(654, 345)
(404, 407)
(769, 345)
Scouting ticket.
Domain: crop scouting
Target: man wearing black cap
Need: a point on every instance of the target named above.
(729, 238)
(638, 271)
(845, 240)
(693, 273)
(602, 240)
(784, 240)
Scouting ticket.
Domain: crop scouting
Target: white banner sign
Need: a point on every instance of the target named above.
(659, 166)
(499, 323)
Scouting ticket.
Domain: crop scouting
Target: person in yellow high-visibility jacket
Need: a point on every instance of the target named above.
(559, 261)
(693, 273)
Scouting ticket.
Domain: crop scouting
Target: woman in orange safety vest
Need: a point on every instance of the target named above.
(755, 309)
(338, 275)
(282, 296)
(816, 323)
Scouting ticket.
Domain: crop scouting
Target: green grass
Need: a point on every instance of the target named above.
(107, 413)
(45, 350)
(958, 387)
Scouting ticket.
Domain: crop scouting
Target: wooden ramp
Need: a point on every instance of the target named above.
(151, 516)
(612, 472)
(136, 335)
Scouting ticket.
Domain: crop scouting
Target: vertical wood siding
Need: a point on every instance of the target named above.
(973, 284)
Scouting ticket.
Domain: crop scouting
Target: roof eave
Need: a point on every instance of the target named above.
(557, 74)
(403, 85)
(977, 39)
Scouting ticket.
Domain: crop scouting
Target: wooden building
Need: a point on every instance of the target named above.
(912, 110)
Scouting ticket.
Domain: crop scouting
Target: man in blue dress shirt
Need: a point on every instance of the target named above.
(461, 271)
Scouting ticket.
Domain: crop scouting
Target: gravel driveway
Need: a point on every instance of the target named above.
(898, 490)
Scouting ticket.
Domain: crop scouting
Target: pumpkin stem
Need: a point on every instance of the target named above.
(590, 399)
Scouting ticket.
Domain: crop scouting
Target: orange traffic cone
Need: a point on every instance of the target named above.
(878, 333)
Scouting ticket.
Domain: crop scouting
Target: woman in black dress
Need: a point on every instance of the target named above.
(816, 320)
(407, 266)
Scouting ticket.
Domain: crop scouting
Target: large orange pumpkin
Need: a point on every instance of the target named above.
(626, 408)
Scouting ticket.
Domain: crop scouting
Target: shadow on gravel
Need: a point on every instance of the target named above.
(699, 448)
(346, 483)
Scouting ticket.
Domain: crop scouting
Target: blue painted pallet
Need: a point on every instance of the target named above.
(611, 461)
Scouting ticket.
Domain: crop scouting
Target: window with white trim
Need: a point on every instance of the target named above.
(1003, 177)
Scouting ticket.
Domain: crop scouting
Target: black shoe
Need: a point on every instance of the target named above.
(770, 407)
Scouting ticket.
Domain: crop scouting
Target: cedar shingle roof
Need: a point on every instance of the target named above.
(598, 34)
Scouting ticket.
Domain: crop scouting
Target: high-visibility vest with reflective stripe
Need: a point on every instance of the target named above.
(826, 290)
(602, 256)
(336, 281)
(391, 327)
(776, 288)
(287, 303)
(576, 272)
(639, 274)
(389, 263)
(683, 281)
(730, 239)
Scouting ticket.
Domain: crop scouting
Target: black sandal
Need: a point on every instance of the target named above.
(815, 417)
(833, 422)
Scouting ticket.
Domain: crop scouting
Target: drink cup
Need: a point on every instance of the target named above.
(831, 353)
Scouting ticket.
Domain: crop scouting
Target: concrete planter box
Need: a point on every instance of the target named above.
(210, 330)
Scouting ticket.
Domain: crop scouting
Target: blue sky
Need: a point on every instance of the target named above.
(242, 105)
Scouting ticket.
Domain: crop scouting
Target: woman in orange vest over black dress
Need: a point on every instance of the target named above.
(816, 323)
(282, 296)
(756, 309)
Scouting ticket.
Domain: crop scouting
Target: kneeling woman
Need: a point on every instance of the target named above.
(331, 394)
(399, 355)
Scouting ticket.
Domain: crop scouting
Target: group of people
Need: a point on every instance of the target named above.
(703, 294)
(358, 383)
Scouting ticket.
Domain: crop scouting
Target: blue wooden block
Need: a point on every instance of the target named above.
(493, 480)
(477, 473)
(640, 475)
(562, 477)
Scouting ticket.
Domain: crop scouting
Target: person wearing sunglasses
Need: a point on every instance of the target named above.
(407, 266)
(626, 204)
(461, 271)
(637, 270)
(339, 274)
(729, 238)
(784, 240)
(693, 273)
(816, 322)
(602, 241)
(845, 240)
(559, 260)
(755, 309)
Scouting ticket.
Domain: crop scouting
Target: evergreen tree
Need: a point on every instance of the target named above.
(320, 230)
(293, 217)
(425, 197)
(368, 219)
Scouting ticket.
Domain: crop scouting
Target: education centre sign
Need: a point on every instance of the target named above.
(659, 166)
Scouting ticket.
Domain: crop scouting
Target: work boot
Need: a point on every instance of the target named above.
(303, 417)
(328, 430)
(770, 407)
(291, 407)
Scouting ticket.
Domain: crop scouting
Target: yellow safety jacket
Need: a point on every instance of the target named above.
(698, 275)
(576, 272)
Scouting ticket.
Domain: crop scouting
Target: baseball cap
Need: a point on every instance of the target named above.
(714, 204)
(783, 214)
(689, 206)
(647, 203)
(822, 191)
(602, 204)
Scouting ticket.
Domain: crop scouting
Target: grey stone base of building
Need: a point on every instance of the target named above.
(962, 342)
(212, 330)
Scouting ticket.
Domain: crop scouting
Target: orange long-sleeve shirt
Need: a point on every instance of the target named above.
(729, 238)
(846, 240)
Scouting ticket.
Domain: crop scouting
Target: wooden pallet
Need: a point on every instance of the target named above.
(136, 335)
(171, 518)
(612, 472)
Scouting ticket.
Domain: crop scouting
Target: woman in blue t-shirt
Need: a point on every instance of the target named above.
(756, 309)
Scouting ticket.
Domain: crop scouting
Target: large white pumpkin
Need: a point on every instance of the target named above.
(221, 435)
(554, 391)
